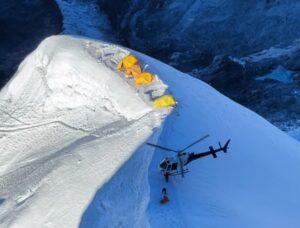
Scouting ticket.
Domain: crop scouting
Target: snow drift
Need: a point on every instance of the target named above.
(68, 122)
(72, 148)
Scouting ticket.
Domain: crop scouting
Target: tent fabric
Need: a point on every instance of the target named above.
(131, 67)
(144, 78)
(134, 71)
(164, 101)
(128, 61)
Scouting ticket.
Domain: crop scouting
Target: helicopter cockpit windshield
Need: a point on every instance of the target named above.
(163, 165)
(168, 165)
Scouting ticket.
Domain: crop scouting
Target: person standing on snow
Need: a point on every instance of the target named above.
(164, 197)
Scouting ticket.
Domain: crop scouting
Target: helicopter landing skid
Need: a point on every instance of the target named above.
(176, 173)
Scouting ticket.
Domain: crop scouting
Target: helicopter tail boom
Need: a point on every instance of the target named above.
(212, 151)
(221, 148)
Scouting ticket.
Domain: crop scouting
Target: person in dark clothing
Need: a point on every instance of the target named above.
(164, 197)
(167, 175)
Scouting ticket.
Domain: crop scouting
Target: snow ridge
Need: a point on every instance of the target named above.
(70, 122)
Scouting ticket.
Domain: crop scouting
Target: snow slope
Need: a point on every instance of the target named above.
(254, 185)
(73, 153)
(68, 123)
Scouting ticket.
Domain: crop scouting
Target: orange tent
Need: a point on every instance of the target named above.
(144, 78)
(130, 65)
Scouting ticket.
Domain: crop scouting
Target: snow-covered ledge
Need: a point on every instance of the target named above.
(69, 121)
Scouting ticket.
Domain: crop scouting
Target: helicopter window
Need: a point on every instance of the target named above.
(174, 166)
(163, 165)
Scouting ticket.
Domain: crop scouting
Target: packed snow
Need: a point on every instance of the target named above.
(73, 153)
(69, 121)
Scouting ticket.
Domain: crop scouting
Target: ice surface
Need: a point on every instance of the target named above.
(279, 74)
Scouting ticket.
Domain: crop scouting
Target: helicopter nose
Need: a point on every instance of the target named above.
(163, 164)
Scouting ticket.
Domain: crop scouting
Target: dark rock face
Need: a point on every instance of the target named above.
(23, 24)
(199, 37)
(222, 72)
(276, 97)
(200, 30)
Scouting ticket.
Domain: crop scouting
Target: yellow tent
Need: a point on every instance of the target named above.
(130, 65)
(144, 78)
(127, 61)
(164, 101)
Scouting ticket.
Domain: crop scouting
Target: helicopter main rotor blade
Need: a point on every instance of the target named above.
(199, 140)
(161, 147)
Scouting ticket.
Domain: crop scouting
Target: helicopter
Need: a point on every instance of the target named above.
(172, 166)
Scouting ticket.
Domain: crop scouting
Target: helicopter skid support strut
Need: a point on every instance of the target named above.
(176, 173)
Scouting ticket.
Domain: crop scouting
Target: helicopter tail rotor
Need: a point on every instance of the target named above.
(225, 148)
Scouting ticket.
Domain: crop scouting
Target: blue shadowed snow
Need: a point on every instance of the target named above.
(253, 185)
(295, 134)
(85, 18)
(280, 74)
